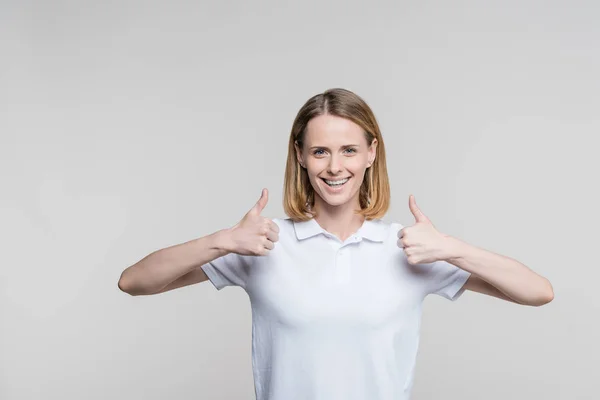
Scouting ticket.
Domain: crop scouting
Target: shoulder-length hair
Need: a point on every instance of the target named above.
(298, 193)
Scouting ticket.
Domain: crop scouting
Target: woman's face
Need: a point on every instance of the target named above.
(335, 149)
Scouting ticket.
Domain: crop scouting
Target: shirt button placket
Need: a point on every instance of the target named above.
(342, 266)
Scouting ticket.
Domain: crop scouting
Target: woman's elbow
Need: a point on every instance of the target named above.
(545, 296)
(125, 286)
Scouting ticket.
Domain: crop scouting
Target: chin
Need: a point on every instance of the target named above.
(336, 203)
(336, 200)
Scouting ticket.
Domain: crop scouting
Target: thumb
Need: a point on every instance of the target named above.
(419, 216)
(261, 203)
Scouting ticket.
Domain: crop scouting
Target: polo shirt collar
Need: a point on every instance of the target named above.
(373, 230)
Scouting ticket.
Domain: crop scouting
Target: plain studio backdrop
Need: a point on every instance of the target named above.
(127, 127)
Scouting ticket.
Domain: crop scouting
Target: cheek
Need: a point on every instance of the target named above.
(359, 178)
(357, 164)
(315, 180)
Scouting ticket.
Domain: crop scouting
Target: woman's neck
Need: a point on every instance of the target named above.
(341, 221)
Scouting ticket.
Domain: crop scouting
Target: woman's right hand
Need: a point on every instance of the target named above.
(254, 235)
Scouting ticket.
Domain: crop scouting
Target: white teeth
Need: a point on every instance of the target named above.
(336, 183)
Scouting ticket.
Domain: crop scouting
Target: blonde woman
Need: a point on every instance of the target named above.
(336, 292)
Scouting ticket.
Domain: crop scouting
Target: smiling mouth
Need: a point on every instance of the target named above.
(342, 182)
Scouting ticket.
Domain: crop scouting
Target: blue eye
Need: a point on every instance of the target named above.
(319, 152)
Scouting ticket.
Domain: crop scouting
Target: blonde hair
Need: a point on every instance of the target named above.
(298, 193)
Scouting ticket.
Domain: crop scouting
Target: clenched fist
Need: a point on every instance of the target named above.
(254, 235)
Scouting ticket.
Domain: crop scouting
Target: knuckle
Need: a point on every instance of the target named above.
(264, 229)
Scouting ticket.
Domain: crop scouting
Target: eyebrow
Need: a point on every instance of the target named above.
(327, 148)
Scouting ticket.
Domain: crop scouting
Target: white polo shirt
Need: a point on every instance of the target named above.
(335, 320)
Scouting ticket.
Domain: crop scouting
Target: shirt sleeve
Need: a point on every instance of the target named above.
(446, 280)
(230, 270)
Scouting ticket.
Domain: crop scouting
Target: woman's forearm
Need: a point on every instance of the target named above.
(158, 269)
(508, 275)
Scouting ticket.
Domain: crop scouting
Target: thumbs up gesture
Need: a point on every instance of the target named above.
(422, 243)
(254, 235)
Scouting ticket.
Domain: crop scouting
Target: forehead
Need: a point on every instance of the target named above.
(329, 129)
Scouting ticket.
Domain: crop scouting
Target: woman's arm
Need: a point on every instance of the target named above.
(174, 266)
(495, 273)
(492, 274)
(179, 265)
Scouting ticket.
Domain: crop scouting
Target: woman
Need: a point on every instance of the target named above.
(336, 293)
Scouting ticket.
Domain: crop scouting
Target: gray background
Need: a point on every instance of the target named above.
(127, 127)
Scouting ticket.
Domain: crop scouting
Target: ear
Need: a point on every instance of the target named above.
(373, 151)
(298, 152)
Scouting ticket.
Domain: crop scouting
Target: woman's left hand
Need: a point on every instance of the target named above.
(422, 242)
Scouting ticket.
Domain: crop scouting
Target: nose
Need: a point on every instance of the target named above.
(335, 165)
